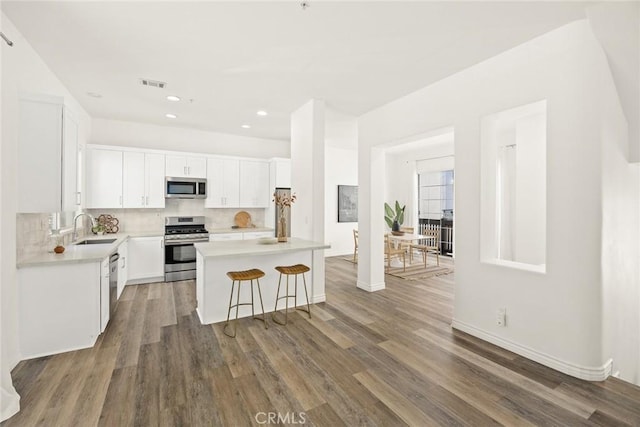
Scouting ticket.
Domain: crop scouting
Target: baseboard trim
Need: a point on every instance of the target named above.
(370, 287)
(318, 298)
(597, 373)
(10, 403)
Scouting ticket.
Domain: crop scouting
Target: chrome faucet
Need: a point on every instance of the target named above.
(74, 236)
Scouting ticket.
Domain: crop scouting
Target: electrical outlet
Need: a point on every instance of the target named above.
(501, 317)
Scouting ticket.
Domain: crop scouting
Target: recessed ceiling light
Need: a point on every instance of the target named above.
(261, 113)
(173, 98)
(245, 126)
(171, 116)
(94, 95)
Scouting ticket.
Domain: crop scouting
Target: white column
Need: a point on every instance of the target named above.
(307, 182)
(9, 398)
(371, 167)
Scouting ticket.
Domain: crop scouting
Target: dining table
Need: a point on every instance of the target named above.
(409, 238)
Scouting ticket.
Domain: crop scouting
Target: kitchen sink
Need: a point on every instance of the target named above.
(96, 241)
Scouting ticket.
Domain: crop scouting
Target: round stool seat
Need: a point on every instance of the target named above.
(252, 274)
(293, 269)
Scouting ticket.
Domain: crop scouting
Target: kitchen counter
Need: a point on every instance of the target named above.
(239, 230)
(237, 248)
(215, 259)
(82, 253)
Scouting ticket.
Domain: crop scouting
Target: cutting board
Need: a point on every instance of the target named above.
(242, 219)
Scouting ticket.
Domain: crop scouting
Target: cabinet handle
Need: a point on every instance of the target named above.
(124, 261)
(162, 243)
(120, 200)
(147, 201)
(78, 198)
(142, 201)
(184, 169)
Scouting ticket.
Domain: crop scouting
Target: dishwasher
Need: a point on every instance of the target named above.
(113, 283)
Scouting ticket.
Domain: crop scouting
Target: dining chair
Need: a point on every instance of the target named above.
(407, 245)
(355, 245)
(430, 246)
(390, 250)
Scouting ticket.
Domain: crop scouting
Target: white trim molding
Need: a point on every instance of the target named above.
(598, 373)
(370, 287)
(10, 403)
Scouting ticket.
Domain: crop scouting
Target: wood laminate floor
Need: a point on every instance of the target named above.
(388, 358)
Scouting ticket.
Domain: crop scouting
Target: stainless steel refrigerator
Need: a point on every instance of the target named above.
(287, 211)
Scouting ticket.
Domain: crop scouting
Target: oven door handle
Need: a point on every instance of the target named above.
(184, 242)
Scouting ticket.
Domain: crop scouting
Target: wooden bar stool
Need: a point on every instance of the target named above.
(240, 276)
(294, 270)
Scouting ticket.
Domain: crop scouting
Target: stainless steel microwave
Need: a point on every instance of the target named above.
(186, 188)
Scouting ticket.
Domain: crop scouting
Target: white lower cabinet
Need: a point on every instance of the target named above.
(257, 234)
(247, 235)
(58, 308)
(220, 237)
(146, 259)
(123, 266)
(104, 294)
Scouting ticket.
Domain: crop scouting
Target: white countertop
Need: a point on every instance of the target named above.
(235, 248)
(239, 230)
(83, 253)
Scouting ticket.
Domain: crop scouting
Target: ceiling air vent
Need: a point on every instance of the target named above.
(153, 83)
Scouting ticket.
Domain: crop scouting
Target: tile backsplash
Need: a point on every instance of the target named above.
(33, 234)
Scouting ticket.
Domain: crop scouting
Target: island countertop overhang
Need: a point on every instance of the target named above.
(235, 248)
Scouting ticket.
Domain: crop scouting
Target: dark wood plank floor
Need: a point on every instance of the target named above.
(388, 358)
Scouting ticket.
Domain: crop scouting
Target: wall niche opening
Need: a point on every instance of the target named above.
(514, 187)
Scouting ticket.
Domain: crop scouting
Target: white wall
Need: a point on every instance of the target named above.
(554, 318)
(341, 168)
(22, 71)
(143, 135)
(620, 240)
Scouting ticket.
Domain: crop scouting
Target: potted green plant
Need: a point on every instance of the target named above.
(98, 229)
(394, 217)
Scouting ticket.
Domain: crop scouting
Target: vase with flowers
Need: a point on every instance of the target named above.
(283, 202)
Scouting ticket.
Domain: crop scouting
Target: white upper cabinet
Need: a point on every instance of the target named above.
(282, 173)
(154, 165)
(223, 181)
(254, 184)
(133, 179)
(186, 166)
(104, 178)
(47, 155)
(143, 179)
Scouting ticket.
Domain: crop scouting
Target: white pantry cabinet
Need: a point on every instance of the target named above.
(254, 184)
(146, 259)
(47, 155)
(58, 308)
(223, 181)
(186, 166)
(143, 180)
(104, 178)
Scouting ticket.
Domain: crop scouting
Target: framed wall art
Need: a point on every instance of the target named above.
(347, 203)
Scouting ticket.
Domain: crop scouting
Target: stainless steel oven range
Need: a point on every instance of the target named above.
(180, 233)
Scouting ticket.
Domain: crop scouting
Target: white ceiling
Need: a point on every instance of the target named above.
(234, 58)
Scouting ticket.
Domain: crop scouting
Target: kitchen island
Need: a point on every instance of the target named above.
(215, 259)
